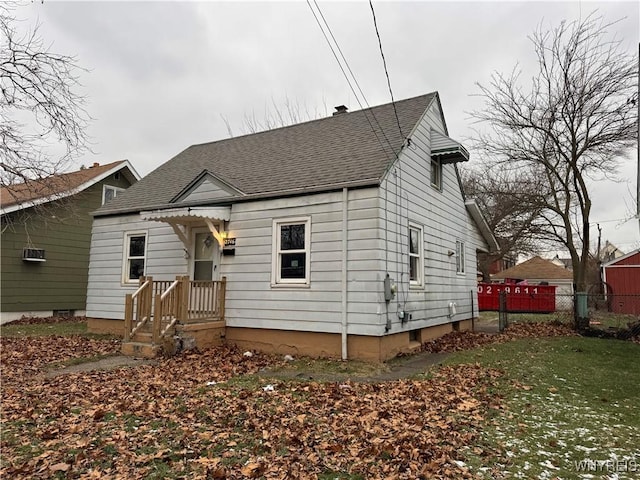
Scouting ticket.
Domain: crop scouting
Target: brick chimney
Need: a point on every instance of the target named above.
(340, 109)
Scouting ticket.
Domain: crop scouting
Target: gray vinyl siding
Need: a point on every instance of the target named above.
(251, 300)
(207, 190)
(408, 197)
(164, 260)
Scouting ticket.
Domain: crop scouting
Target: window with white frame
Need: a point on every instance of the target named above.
(416, 257)
(436, 173)
(291, 251)
(109, 192)
(135, 255)
(459, 257)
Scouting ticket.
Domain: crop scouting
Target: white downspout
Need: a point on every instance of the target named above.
(344, 272)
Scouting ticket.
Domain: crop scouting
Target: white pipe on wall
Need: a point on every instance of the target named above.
(345, 215)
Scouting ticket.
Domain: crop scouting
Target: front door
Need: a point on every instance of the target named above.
(206, 255)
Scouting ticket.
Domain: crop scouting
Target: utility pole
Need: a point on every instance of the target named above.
(599, 238)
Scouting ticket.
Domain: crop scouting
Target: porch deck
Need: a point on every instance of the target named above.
(158, 307)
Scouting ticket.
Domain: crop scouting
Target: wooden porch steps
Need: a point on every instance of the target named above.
(194, 307)
(141, 344)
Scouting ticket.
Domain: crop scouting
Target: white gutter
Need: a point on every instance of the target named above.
(344, 272)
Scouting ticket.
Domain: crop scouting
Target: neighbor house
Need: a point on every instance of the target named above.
(609, 252)
(46, 233)
(621, 277)
(537, 270)
(347, 236)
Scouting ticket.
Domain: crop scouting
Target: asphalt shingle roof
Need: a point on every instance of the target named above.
(318, 155)
(535, 268)
(50, 187)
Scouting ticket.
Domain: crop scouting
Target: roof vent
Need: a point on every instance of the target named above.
(340, 109)
(95, 164)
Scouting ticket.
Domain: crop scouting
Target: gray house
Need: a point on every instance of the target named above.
(347, 236)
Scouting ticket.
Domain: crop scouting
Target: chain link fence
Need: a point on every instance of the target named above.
(613, 316)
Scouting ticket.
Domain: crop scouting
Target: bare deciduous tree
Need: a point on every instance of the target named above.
(511, 206)
(42, 116)
(276, 116)
(570, 126)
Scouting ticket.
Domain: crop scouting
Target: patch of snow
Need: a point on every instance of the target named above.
(548, 464)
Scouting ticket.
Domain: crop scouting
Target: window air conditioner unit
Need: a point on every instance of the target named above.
(33, 255)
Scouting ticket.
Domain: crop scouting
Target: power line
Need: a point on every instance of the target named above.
(623, 220)
(394, 155)
(322, 29)
(386, 72)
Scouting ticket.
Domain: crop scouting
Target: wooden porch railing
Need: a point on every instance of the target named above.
(137, 307)
(166, 303)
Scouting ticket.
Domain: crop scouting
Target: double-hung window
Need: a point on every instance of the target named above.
(135, 255)
(436, 173)
(291, 251)
(459, 257)
(416, 257)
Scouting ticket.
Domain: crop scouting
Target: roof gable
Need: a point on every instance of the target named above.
(37, 192)
(535, 268)
(349, 149)
(206, 187)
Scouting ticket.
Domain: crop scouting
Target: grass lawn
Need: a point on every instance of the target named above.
(40, 329)
(572, 409)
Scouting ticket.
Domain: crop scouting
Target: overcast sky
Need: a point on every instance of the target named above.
(163, 76)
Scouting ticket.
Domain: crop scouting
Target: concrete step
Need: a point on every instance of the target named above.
(140, 349)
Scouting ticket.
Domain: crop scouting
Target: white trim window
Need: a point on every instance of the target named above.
(109, 192)
(436, 173)
(135, 256)
(291, 251)
(416, 256)
(459, 257)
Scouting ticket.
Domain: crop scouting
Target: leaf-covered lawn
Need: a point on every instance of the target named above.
(220, 414)
(195, 416)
